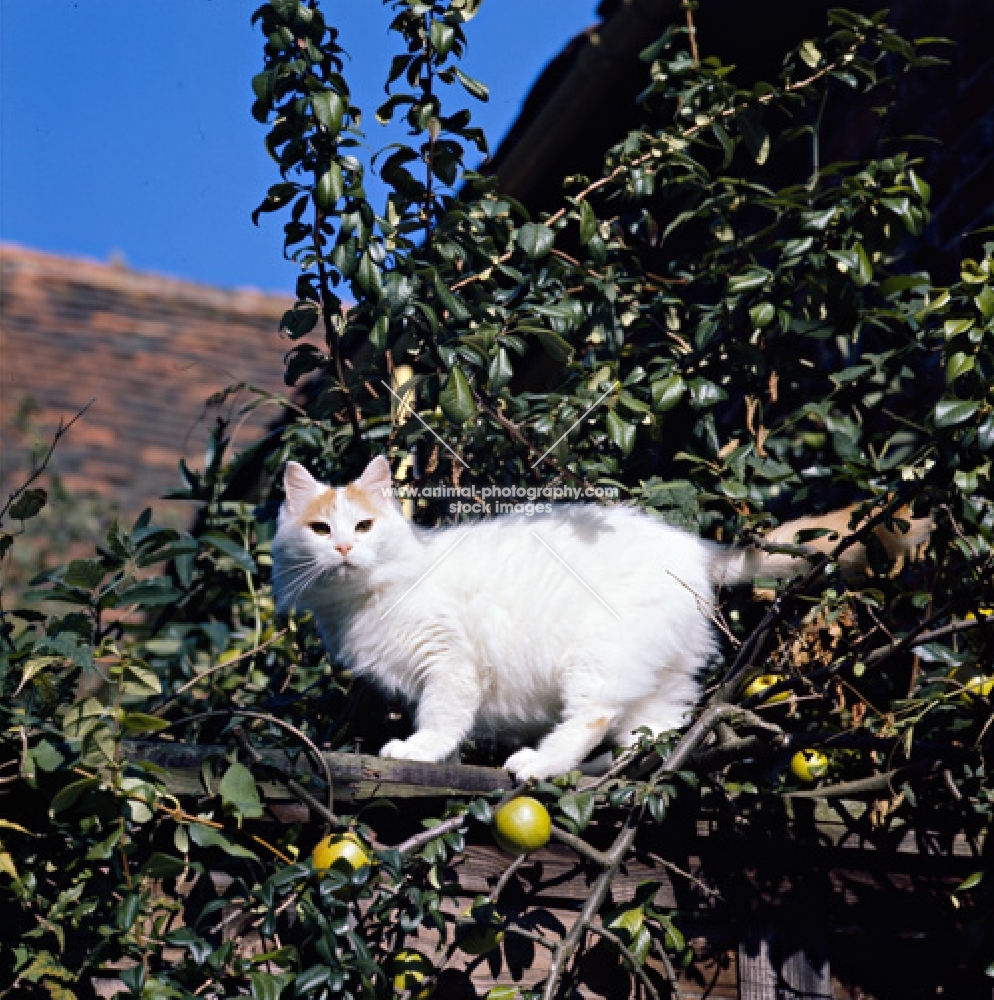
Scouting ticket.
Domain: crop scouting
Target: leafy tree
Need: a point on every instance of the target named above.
(720, 341)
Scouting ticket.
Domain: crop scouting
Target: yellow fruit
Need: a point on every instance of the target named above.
(979, 613)
(344, 852)
(478, 936)
(412, 974)
(763, 683)
(809, 765)
(522, 825)
(982, 684)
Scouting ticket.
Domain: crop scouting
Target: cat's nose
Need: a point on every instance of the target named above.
(344, 548)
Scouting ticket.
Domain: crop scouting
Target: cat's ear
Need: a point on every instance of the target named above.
(299, 486)
(376, 477)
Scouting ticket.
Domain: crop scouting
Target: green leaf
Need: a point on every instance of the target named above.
(84, 573)
(139, 722)
(819, 220)
(755, 277)
(970, 882)
(140, 680)
(810, 54)
(579, 808)
(300, 320)
(329, 188)
(229, 547)
(501, 370)
(456, 397)
(985, 302)
(150, 593)
(69, 794)
(954, 327)
(535, 239)
(479, 90)
(239, 791)
(864, 267)
(161, 865)
(949, 412)
(588, 223)
(632, 921)
(105, 848)
(502, 993)
(329, 109)
(959, 364)
(28, 504)
(667, 392)
(762, 315)
(555, 346)
(620, 432)
(450, 301)
(207, 836)
(755, 136)
(442, 37)
(367, 277)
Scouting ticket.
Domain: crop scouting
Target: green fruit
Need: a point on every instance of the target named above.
(478, 936)
(522, 825)
(412, 973)
(344, 852)
(809, 765)
(763, 683)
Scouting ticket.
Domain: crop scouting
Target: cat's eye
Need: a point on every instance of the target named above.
(320, 528)
(363, 526)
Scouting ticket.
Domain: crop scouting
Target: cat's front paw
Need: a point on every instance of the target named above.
(528, 763)
(428, 747)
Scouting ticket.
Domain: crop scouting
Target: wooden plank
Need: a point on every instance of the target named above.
(820, 823)
(355, 776)
(781, 963)
(757, 977)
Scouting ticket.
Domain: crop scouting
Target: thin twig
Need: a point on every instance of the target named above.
(509, 873)
(60, 433)
(635, 964)
(331, 331)
(883, 782)
(639, 161)
(211, 670)
(291, 783)
(693, 879)
(695, 55)
(419, 840)
(675, 992)
(315, 752)
(579, 845)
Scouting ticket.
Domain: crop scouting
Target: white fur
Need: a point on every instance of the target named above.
(481, 628)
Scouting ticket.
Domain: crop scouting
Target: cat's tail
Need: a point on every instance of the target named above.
(784, 549)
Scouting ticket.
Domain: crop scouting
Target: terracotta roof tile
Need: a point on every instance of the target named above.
(149, 349)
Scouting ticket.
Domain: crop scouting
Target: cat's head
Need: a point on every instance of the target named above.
(343, 530)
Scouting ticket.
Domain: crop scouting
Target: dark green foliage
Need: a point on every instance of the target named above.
(720, 342)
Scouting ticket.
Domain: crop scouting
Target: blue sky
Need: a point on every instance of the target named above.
(125, 124)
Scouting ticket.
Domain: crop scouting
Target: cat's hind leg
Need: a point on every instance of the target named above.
(658, 714)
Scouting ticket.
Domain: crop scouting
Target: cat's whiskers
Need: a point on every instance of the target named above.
(300, 576)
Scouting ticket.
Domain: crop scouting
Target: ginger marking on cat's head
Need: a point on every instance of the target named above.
(331, 524)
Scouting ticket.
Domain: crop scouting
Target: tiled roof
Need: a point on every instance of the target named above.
(149, 350)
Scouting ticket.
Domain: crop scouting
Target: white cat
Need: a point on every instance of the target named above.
(572, 627)
(582, 625)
